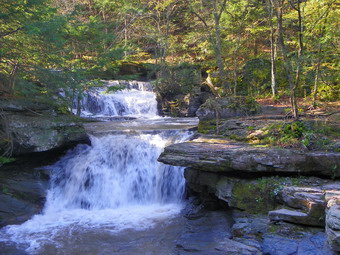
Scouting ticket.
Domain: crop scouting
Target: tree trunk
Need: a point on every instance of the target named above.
(235, 75)
(78, 103)
(125, 37)
(299, 60)
(272, 50)
(218, 54)
(218, 45)
(316, 80)
(12, 78)
(286, 61)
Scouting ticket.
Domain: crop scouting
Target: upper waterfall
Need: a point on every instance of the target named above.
(135, 99)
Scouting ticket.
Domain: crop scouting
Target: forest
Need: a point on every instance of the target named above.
(262, 49)
(169, 127)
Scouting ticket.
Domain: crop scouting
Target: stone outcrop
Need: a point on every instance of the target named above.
(310, 202)
(253, 195)
(37, 127)
(294, 217)
(236, 157)
(333, 219)
(301, 201)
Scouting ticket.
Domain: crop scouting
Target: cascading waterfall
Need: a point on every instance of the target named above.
(136, 100)
(112, 185)
(115, 171)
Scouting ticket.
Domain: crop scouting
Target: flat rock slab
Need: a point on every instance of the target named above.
(294, 217)
(229, 156)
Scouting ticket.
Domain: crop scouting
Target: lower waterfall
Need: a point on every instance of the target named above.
(113, 185)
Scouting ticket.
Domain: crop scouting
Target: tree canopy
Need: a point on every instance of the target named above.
(257, 48)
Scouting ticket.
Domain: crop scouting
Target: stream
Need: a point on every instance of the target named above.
(113, 196)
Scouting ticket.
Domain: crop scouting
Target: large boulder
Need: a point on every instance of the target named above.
(37, 127)
(309, 202)
(196, 100)
(236, 157)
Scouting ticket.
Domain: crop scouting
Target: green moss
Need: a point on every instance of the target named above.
(254, 197)
(207, 126)
(5, 160)
(5, 190)
(259, 196)
(311, 135)
(272, 228)
(237, 138)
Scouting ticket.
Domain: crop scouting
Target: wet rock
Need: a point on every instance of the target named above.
(22, 194)
(204, 232)
(277, 245)
(237, 157)
(281, 238)
(314, 245)
(309, 245)
(250, 226)
(294, 217)
(252, 242)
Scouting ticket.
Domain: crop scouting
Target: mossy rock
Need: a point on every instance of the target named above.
(260, 195)
(254, 197)
(207, 127)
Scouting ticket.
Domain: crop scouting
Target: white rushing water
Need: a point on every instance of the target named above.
(137, 100)
(113, 185)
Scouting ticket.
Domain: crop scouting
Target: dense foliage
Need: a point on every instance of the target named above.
(257, 48)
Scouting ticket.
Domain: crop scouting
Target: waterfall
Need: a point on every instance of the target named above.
(115, 171)
(113, 185)
(110, 186)
(136, 100)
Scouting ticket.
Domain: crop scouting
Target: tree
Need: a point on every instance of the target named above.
(280, 5)
(215, 10)
(272, 48)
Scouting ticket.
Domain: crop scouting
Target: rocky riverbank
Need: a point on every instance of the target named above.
(278, 184)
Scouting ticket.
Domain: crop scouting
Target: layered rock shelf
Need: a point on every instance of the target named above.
(234, 157)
